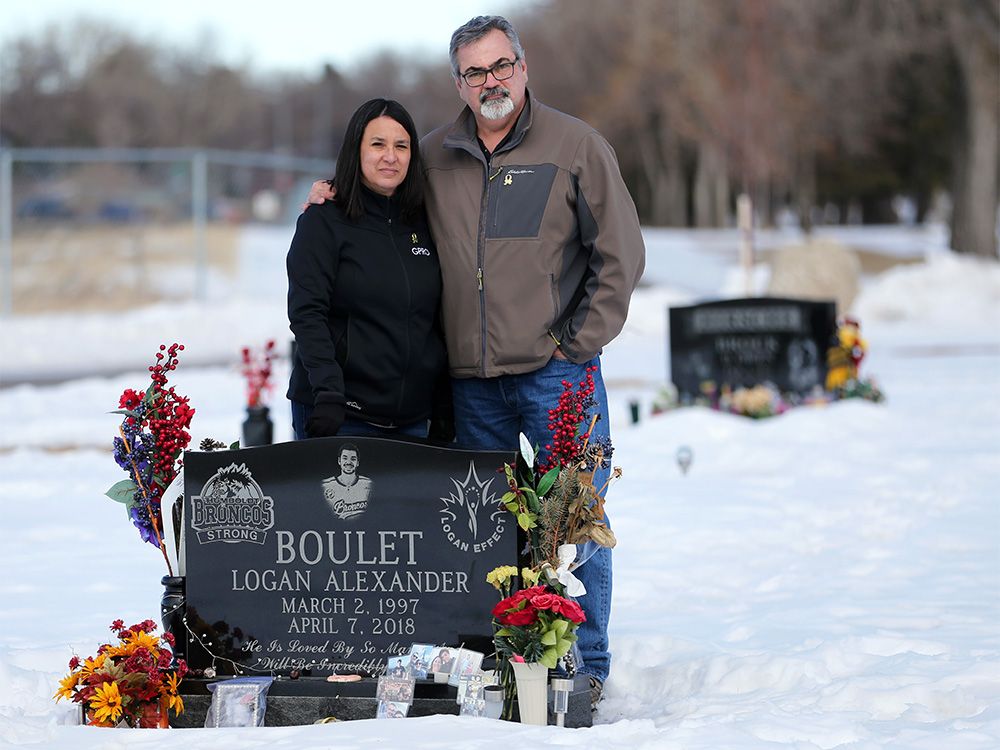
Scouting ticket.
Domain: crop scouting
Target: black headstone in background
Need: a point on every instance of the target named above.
(287, 570)
(745, 342)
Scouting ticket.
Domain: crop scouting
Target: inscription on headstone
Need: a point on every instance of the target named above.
(744, 342)
(331, 554)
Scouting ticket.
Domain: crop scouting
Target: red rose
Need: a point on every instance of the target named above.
(516, 609)
(521, 617)
(559, 605)
(571, 611)
(545, 601)
(533, 591)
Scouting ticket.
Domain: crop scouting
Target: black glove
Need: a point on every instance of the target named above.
(326, 418)
(442, 429)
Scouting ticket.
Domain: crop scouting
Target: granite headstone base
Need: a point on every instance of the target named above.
(309, 699)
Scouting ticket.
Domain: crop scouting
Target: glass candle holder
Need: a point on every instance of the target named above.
(493, 695)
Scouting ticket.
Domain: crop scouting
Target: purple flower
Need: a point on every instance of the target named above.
(140, 519)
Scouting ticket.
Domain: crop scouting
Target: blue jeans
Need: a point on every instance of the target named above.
(354, 427)
(489, 415)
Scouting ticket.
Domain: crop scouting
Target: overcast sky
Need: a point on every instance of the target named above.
(293, 36)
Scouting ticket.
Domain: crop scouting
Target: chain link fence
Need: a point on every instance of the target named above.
(92, 228)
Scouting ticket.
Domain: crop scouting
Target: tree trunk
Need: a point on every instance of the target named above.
(711, 187)
(804, 189)
(661, 163)
(974, 216)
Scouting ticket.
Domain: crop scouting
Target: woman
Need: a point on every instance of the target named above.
(364, 287)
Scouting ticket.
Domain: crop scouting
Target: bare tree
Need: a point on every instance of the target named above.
(973, 29)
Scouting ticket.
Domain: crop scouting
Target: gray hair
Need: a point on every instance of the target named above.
(474, 30)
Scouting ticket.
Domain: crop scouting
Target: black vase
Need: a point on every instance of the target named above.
(258, 429)
(172, 614)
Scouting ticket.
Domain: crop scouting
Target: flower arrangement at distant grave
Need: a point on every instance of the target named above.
(843, 361)
(557, 506)
(151, 440)
(133, 682)
(756, 402)
(257, 373)
(766, 400)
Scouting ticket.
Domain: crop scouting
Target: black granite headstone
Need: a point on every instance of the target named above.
(326, 556)
(745, 342)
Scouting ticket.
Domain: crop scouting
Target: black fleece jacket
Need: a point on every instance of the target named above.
(364, 305)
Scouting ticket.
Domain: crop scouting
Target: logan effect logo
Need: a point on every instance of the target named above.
(471, 518)
(232, 508)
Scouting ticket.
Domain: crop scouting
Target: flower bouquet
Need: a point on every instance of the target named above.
(258, 429)
(554, 500)
(151, 439)
(257, 372)
(128, 682)
(557, 506)
(534, 624)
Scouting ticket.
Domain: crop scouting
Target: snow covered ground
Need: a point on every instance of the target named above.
(825, 579)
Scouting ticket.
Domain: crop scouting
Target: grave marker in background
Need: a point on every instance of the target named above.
(745, 342)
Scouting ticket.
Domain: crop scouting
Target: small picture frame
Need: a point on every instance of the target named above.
(420, 660)
(442, 660)
(472, 707)
(394, 689)
(467, 663)
(392, 710)
(398, 667)
(470, 687)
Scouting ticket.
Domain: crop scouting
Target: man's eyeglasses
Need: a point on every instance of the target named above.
(501, 72)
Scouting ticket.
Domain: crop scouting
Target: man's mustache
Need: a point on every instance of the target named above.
(490, 92)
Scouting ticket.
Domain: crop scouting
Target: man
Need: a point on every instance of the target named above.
(540, 250)
(348, 492)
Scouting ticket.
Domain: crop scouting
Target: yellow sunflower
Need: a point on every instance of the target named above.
(107, 702)
(174, 700)
(90, 665)
(134, 641)
(66, 685)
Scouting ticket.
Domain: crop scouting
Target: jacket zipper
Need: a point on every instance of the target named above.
(409, 302)
(481, 261)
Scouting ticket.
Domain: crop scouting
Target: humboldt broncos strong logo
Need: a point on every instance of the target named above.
(232, 508)
(471, 517)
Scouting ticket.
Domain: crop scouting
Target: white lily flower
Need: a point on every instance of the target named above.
(526, 450)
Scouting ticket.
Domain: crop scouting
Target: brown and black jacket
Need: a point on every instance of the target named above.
(539, 245)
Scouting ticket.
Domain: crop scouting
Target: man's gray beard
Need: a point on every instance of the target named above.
(496, 109)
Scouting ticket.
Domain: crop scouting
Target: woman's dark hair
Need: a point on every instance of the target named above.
(347, 180)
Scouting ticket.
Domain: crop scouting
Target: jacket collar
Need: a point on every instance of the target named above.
(383, 206)
(463, 133)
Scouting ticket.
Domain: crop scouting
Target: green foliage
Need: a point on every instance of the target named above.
(123, 492)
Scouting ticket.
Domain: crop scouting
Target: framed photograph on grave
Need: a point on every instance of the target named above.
(442, 660)
(420, 660)
(395, 689)
(467, 663)
(398, 666)
(392, 710)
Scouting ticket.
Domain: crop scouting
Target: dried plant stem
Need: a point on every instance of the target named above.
(149, 507)
(590, 431)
